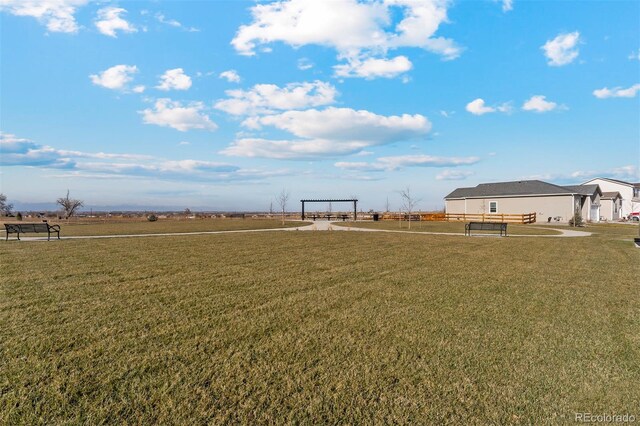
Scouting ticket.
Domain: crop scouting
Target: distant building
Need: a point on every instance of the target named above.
(528, 196)
(629, 193)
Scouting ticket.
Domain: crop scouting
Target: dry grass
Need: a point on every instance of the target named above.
(318, 327)
(136, 227)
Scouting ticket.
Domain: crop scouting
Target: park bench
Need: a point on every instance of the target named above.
(22, 228)
(486, 226)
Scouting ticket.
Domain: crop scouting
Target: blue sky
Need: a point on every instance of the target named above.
(222, 104)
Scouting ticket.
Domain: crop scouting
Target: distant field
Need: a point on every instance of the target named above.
(161, 226)
(320, 327)
(449, 227)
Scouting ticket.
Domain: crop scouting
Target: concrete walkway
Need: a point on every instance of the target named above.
(321, 225)
(344, 226)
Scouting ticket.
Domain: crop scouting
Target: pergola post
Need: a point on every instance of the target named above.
(355, 210)
(302, 209)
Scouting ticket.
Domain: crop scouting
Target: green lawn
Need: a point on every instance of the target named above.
(319, 327)
(136, 227)
(448, 227)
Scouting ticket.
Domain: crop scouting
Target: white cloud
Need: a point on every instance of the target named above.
(23, 152)
(168, 113)
(116, 77)
(635, 55)
(109, 21)
(11, 144)
(230, 75)
(617, 92)
(538, 103)
(562, 50)
(507, 5)
(629, 173)
(328, 132)
(57, 15)
(174, 79)
(357, 30)
(478, 107)
(304, 64)
(453, 175)
(290, 149)
(402, 161)
(138, 89)
(265, 98)
(346, 124)
(173, 23)
(371, 68)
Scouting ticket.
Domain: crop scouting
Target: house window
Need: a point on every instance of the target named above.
(493, 207)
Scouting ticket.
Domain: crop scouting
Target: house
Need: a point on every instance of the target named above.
(629, 192)
(610, 206)
(547, 200)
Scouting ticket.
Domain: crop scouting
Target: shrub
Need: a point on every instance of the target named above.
(19, 216)
(576, 220)
(152, 218)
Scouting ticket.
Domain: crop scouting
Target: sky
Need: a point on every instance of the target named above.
(222, 105)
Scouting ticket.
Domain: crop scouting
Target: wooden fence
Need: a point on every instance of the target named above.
(489, 217)
(453, 217)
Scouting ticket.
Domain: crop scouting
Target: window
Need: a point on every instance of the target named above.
(493, 207)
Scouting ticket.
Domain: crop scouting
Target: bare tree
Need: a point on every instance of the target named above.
(69, 205)
(387, 206)
(5, 208)
(409, 202)
(282, 199)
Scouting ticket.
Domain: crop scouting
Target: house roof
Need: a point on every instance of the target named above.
(584, 189)
(621, 182)
(610, 195)
(520, 188)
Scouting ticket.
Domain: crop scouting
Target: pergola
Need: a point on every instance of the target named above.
(351, 200)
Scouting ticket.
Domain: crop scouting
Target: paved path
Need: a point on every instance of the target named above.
(321, 225)
(344, 226)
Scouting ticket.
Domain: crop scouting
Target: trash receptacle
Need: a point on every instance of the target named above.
(376, 217)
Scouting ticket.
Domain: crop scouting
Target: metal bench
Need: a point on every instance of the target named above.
(22, 228)
(486, 226)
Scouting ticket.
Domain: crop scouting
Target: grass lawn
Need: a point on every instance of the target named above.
(449, 227)
(161, 226)
(319, 327)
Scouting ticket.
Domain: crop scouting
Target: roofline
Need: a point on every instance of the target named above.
(515, 195)
(619, 182)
